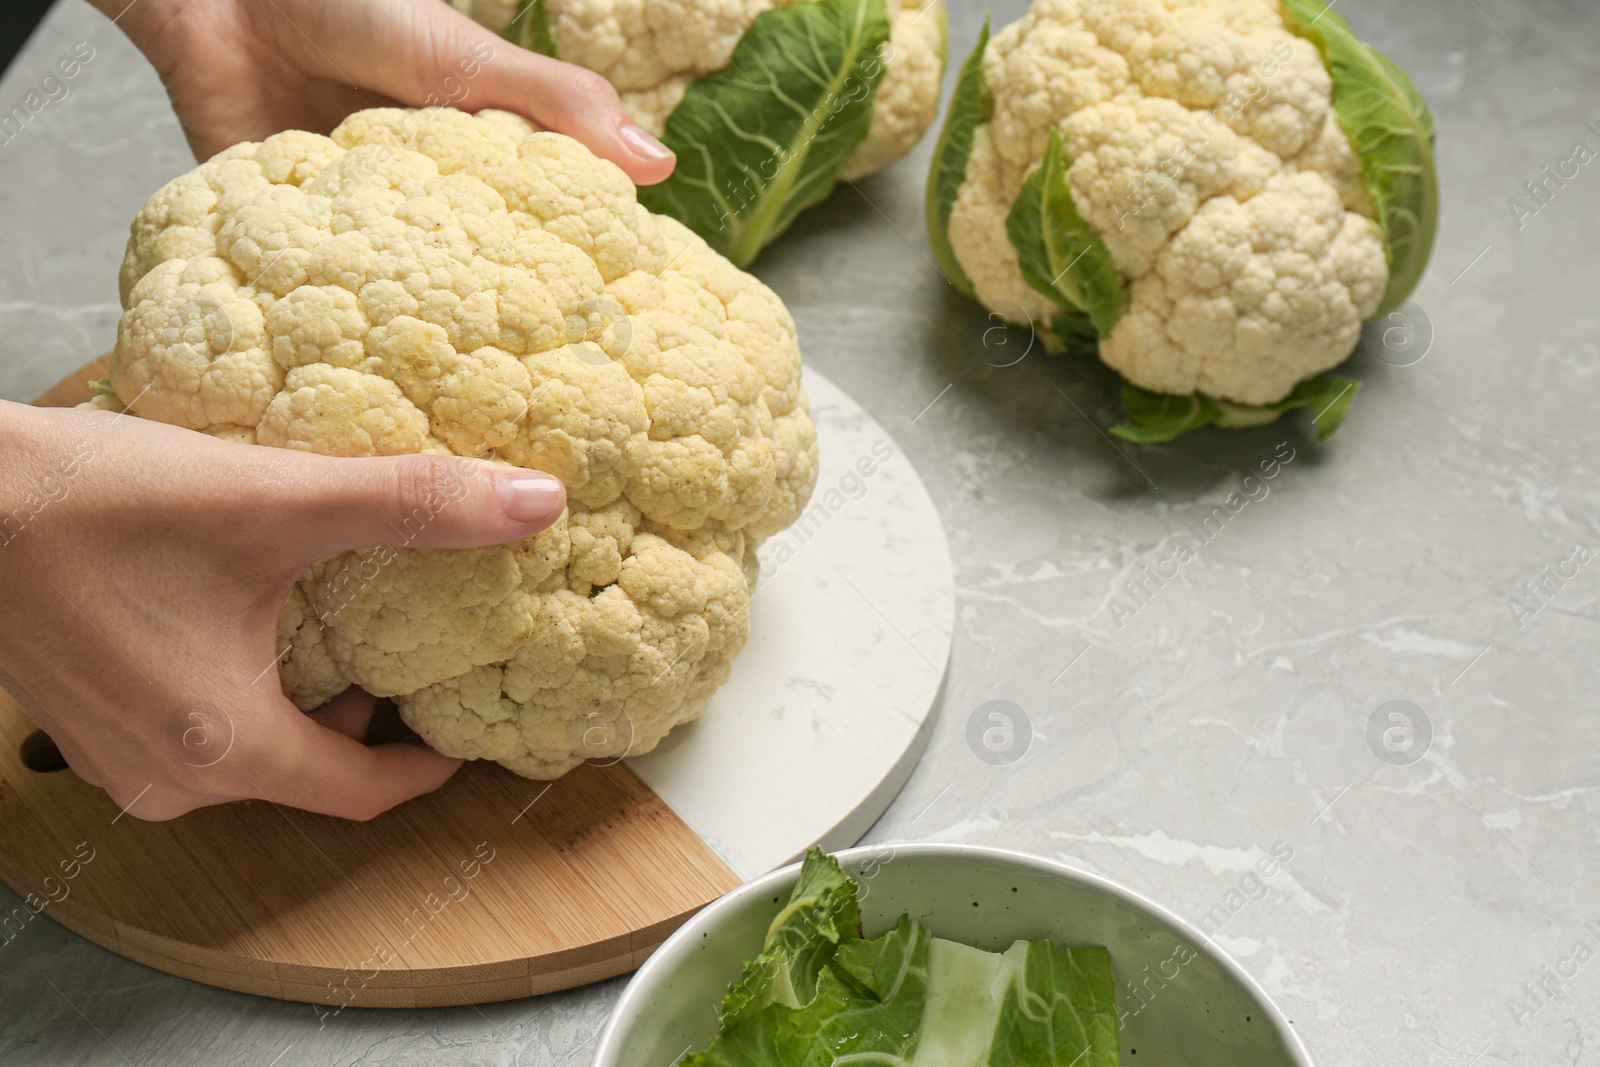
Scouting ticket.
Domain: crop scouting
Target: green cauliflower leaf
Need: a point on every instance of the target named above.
(1060, 256)
(971, 106)
(1154, 417)
(1391, 130)
(766, 137)
(530, 28)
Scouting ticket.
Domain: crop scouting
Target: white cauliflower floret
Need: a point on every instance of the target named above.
(1249, 298)
(1205, 154)
(908, 96)
(436, 282)
(652, 49)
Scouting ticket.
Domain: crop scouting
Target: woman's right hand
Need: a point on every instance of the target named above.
(241, 70)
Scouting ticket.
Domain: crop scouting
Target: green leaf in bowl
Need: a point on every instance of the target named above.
(908, 999)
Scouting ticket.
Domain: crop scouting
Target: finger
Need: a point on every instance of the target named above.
(421, 501)
(455, 61)
(578, 103)
(316, 769)
(349, 713)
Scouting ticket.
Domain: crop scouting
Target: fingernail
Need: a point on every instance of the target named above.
(642, 144)
(529, 496)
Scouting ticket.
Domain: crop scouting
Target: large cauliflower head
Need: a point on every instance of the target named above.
(835, 88)
(432, 281)
(1189, 182)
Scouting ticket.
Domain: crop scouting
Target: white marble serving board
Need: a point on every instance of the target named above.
(830, 702)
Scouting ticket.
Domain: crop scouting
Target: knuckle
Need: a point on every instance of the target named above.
(167, 810)
(593, 88)
(424, 485)
(149, 803)
(366, 808)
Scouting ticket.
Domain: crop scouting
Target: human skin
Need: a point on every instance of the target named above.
(144, 566)
(240, 70)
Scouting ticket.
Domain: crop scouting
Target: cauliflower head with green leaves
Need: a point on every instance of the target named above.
(1214, 193)
(432, 281)
(767, 103)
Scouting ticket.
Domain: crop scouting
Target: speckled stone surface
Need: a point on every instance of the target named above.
(1433, 911)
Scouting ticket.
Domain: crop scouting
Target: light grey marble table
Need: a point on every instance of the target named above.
(1432, 912)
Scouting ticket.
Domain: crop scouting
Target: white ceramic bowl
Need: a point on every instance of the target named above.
(1185, 1003)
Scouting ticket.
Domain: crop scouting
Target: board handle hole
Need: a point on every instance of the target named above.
(40, 754)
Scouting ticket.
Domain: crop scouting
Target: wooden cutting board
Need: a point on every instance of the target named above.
(497, 887)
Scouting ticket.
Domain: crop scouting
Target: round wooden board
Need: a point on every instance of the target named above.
(497, 887)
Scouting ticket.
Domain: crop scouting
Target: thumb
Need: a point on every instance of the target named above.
(422, 501)
(458, 63)
(577, 102)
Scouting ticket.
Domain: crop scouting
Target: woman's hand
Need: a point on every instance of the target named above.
(240, 70)
(144, 567)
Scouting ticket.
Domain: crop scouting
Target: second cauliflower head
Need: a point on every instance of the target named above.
(432, 281)
(1215, 192)
(767, 102)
